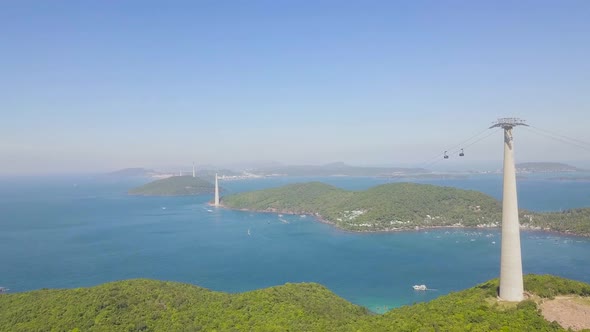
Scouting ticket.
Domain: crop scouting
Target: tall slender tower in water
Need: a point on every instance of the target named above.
(194, 174)
(511, 284)
(216, 191)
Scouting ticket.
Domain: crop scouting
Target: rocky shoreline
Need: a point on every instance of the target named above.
(320, 219)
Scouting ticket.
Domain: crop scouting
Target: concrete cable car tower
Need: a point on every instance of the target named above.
(511, 284)
(216, 201)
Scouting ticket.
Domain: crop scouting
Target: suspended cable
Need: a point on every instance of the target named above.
(467, 140)
(562, 136)
(481, 139)
(452, 152)
(453, 149)
(467, 146)
(558, 139)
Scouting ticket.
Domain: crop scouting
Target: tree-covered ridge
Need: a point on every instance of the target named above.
(296, 198)
(400, 206)
(150, 305)
(573, 221)
(387, 207)
(477, 309)
(175, 186)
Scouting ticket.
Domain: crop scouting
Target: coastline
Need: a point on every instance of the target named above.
(317, 217)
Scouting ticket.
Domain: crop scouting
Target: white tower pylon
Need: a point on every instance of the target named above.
(511, 284)
(194, 174)
(216, 191)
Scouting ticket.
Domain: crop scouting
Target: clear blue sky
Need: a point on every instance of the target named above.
(98, 85)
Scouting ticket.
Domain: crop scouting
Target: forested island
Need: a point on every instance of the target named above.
(545, 167)
(150, 305)
(400, 206)
(175, 186)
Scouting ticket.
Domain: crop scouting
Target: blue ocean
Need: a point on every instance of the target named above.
(74, 231)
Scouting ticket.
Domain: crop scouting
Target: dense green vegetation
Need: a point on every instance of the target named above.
(386, 207)
(175, 186)
(574, 221)
(149, 305)
(399, 206)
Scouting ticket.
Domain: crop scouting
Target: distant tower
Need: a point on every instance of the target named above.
(180, 173)
(216, 191)
(194, 175)
(511, 284)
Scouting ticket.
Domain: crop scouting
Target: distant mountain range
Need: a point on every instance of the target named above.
(335, 169)
(208, 174)
(133, 172)
(338, 169)
(545, 167)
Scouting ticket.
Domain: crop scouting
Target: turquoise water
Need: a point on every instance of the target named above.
(82, 231)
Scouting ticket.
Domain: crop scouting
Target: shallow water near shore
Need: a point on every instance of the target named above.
(64, 232)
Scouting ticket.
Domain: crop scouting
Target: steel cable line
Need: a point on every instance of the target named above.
(471, 144)
(455, 148)
(481, 139)
(575, 140)
(558, 139)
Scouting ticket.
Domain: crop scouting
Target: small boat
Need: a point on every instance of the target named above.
(3, 290)
(248, 231)
(419, 287)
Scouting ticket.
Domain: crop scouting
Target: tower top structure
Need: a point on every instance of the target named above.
(508, 123)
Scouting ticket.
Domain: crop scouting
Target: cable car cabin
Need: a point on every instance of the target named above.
(461, 154)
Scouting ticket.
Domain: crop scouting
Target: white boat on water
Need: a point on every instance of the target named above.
(4, 289)
(419, 287)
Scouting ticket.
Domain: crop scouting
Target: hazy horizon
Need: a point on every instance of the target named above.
(100, 86)
(442, 167)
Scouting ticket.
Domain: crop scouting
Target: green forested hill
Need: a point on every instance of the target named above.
(573, 221)
(175, 186)
(399, 206)
(386, 207)
(149, 305)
